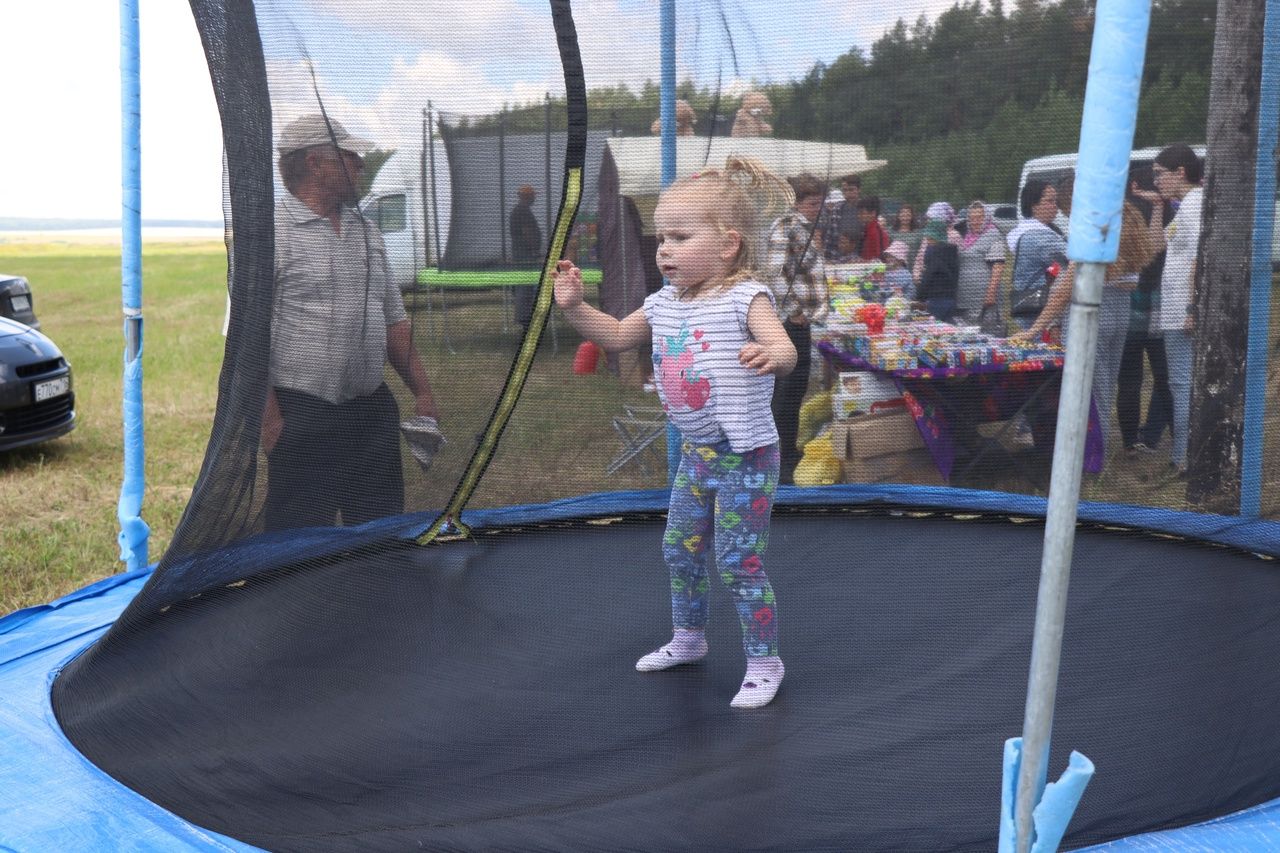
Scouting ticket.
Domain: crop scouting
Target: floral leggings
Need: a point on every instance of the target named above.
(723, 497)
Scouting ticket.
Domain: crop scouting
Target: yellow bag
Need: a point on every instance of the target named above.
(815, 412)
(819, 465)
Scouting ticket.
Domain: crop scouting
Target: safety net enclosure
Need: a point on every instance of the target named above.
(404, 607)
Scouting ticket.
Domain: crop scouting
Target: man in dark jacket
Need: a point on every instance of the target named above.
(526, 249)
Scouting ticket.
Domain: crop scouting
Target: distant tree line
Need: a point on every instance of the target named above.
(955, 105)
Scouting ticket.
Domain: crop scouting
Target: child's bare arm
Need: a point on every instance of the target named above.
(612, 334)
(772, 350)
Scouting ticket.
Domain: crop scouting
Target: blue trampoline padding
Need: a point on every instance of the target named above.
(1258, 536)
(205, 570)
(1255, 830)
(51, 798)
(15, 642)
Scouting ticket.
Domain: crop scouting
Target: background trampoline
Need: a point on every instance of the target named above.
(447, 663)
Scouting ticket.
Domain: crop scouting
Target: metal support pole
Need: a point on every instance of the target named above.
(502, 186)
(1059, 543)
(667, 113)
(1260, 290)
(1106, 138)
(134, 532)
(431, 162)
(426, 209)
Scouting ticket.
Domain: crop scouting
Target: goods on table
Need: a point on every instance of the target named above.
(931, 344)
(852, 286)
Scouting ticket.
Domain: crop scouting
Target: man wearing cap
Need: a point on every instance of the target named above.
(330, 427)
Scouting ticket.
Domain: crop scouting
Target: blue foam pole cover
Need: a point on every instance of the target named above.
(1106, 131)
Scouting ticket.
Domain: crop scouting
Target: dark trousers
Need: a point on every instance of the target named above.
(788, 394)
(334, 458)
(942, 308)
(525, 298)
(1129, 391)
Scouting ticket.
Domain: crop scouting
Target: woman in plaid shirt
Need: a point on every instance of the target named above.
(793, 269)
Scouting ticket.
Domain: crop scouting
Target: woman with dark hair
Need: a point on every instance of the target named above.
(1139, 242)
(1039, 254)
(1177, 172)
(1144, 338)
(906, 228)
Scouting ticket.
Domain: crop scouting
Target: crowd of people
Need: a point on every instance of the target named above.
(955, 265)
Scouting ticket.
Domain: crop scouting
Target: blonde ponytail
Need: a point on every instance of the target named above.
(744, 197)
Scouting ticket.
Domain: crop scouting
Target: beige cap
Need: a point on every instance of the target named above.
(313, 130)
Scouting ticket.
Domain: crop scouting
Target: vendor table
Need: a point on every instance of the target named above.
(948, 404)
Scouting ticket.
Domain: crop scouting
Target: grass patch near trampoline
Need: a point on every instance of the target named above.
(59, 498)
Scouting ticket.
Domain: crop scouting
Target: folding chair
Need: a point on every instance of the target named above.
(638, 427)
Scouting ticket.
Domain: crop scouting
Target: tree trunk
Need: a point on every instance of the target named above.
(1222, 276)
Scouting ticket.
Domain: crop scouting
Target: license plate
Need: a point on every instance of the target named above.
(52, 388)
(20, 303)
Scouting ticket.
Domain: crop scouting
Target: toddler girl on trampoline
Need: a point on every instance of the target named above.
(717, 345)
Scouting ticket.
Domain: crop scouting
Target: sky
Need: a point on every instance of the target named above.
(375, 63)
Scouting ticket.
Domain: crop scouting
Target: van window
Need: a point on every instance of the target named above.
(390, 213)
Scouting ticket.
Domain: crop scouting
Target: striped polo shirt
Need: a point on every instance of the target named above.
(334, 299)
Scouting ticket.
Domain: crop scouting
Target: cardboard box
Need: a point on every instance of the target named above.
(875, 434)
(883, 447)
(857, 392)
(910, 466)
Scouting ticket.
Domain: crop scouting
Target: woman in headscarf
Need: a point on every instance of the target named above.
(982, 258)
(939, 211)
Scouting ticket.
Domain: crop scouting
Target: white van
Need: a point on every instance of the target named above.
(405, 216)
(1055, 167)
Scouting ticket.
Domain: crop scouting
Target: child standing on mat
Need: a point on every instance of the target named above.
(717, 346)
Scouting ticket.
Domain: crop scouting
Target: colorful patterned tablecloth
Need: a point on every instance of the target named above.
(948, 403)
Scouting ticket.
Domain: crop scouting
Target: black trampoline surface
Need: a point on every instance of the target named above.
(481, 695)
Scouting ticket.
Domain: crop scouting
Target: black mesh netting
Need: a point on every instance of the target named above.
(306, 671)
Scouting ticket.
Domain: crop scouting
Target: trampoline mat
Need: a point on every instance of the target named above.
(482, 695)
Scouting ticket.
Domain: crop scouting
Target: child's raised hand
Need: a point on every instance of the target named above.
(568, 285)
(756, 356)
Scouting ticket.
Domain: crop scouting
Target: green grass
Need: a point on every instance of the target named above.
(58, 499)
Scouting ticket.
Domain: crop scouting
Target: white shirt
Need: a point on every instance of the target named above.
(1182, 235)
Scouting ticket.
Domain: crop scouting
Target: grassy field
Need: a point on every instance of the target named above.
(58, 499)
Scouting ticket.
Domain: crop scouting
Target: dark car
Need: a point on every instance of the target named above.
(15, 300)
(36, 398)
